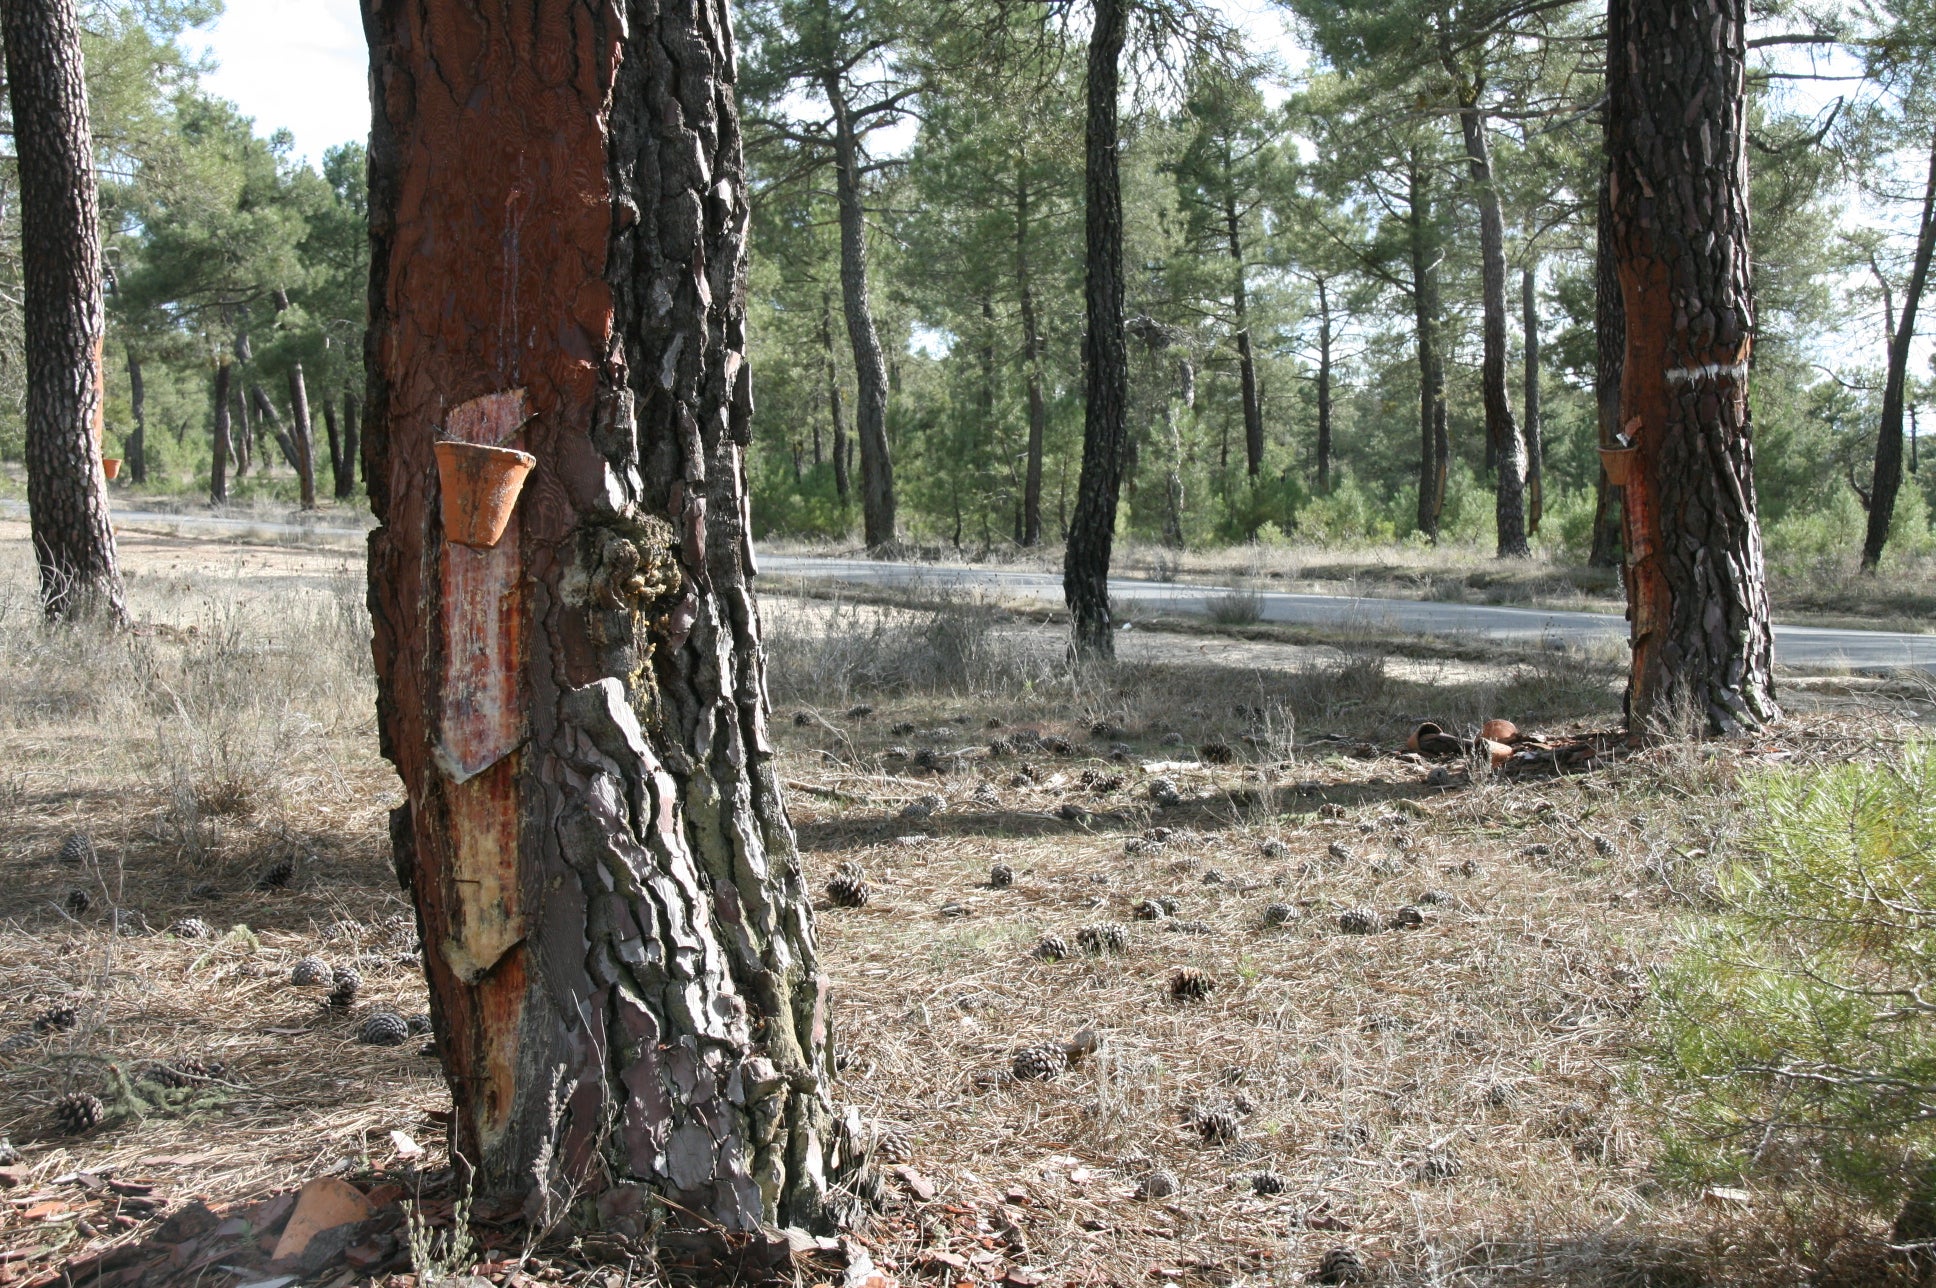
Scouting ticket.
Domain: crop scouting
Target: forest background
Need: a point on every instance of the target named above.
(1303, 272)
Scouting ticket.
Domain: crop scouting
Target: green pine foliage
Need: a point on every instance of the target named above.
(1800, 1025)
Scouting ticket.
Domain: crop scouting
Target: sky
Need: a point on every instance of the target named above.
(300, 64)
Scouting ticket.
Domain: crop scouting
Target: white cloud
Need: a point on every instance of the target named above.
(298, 65)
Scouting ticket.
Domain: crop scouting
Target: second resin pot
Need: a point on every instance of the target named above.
(480, 489)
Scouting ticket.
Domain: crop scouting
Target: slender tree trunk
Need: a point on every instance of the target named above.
(1186, 398)
(834, 408)
(1092, 530)
(1031, 528)
(870, 369)
(303, 435)
(1610, 348)
(333, 431)
(352, 446)
(605, 877)
(1678, 185)
(249, 435)
(1324, 385)
(241, 431)
(1888, 454)
(1246, 363)
(62, 316)
(266, 414)
(1434, 447)
(138, 407)
(1504, 444)
(218, 464)
(1535, 448)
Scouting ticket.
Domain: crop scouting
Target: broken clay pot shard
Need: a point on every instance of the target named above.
(480, 486)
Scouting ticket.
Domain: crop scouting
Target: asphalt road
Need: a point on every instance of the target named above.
(1814, 647)
(1799, 646)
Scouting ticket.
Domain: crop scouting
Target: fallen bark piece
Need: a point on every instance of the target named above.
(323, 1204)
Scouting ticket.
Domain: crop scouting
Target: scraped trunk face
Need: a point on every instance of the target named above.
(1678, 188)
(60, 251)
(1610, 352)
(619, 945)
(1092, 529)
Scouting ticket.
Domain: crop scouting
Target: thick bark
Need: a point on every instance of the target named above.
(62, 316)
(605, 877)
(333, 431)
(1505, 448)
(303, 436)
(218, 460)
(1678, 186)
(1887, 480)
(137, 448)
(1240, 308)
(870, 367)
(1031, 524)
(835, 410)
(1092, 529)
(1535, 448)
(1324, 385)
(1434, 446)
(1610, 353)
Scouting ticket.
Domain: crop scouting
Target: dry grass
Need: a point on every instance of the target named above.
(1504, 1033)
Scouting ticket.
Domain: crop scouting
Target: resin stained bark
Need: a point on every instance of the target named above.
(605, 876)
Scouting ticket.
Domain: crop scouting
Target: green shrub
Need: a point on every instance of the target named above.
(1804, 1020)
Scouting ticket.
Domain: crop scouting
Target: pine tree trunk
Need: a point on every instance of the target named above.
(303, 436)
(1678, 186)
(1535, 448)
(1186, 397)
(1092, 529)
(1505, 447)
(1610, 352)
(605, 877)
(1434, 446)
(1324, 386)
(61, 314)
(334, 432)
(1031, 526)
(352, 447)
(842, 485)
(870, 370)
(138, 408)
(1887, 480)
(219, 449)
(250, 436)
(1246, 363)
(266, 414)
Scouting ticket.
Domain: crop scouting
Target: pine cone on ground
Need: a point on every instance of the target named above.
(849, 889)
(78, 1113)
(1106, 937)
(8, 1154)
(1361, 921)
(348, 983)
(78, 901)
(1438, 898)
(1407, 918)
(1340, 1266)
(1191, 985)
(893, 1143)
(191, 928)
(1040, 1062)
(185, 1073)
(77, 849)
(1216, 753)
(1217, 1125)
(1265, 1184)
(1163, 792)
(1280, 914)
(277, 875)
(1339, 851)
(418, 1024)
(1052, 948)
(1437, 1165)
(311, 970)
(1150, 910)
(1159, 1183)
(385, 1028)
(1001, 876)
(56, 1019)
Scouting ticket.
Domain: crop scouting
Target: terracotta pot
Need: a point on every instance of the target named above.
(1498, 753)
(1499, 731)
(1619, 464)
(1423, 732)
(110, 466)
(480, 489)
